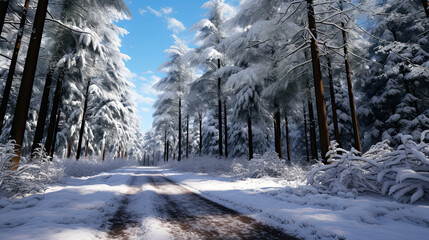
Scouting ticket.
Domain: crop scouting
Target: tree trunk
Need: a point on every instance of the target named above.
(426, 7)
(104, 153)
(318, 84)
(277, 131)
(187, 136)
(43, 112)
(249, 136)
(82, 125)
(226, 128)
(165, 145)
(287, 137)
(52, 148)
(3, 10)
(219, 111)
(333, 103)
(200, 119)
(26, 88)
(350, 88)
(14, 60)
(306, 135)
(180, 130)
(55, 107)
(70, 147)
(312, 130)
(167, 149)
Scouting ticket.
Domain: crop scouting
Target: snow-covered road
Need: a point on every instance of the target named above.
(129, 203)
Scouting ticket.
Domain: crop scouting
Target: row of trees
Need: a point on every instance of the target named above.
(265, 63)
(61, 79)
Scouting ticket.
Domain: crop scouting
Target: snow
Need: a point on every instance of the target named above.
(81, 207)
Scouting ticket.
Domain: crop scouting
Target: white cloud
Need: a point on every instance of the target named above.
(156, 13)
(148, 72)
(145, 109)
(167, 10)
(139, 98)
(175, 25)
(142, 11)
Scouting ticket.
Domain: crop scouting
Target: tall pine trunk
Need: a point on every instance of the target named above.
(86, 148)
(306, 135)
(287, 137)
(82, 125)
(426, 7)
(333, 103)
(55, 107)
(3, 10)
(318, 84)
(165, 145)
(43, 112)
(187, 136)
(52, 149)
(14, 60)
(70, 146)
(219, 111)
(200, 119)
(350, 88)
(277, 131)
(312, 130)
(226, 128)
(250, 137)
(167, 150)
(26, 88)
(180, 130)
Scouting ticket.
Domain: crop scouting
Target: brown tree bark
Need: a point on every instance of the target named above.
(333, 103)
(277, 131)
(287, 137)
(318, 84)
(167, 149)
(104, 153)
(26, 88)
(306, 135)
(14, 60)
(426, 7)
(52, 148)
(350, 88)
(312, 130)
(187, 136)
(82, 125)
(226, 128)
(219, 111)
(200, 119)
(180, 130)
(250, 137)
(55, 108)
(70, 147)
(43, 112)
(3, 10)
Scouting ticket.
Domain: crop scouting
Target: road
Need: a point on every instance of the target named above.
(158, 208)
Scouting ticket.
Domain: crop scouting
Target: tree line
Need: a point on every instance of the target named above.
(260, 69)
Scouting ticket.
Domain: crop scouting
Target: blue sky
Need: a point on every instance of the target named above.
(150, 30)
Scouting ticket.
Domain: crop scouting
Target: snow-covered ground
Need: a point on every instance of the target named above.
(82, 207)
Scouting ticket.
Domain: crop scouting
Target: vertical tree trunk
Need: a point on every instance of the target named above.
(52, 148)
(165, 145)
(14, 60)
(200, 119)
(167, 149)
(306, 135)
(82, 125)
(287, 137)
(312, 130)
(187, 136)
(350, 88)
(43, 112)
(250, 137)
(226, 128)
(333, 103)
(318, 84)
(70, 147)
(180, 130)
(3, 10)
(55, 107)
(277, 131)
(104, 152)
(219, 111)
(26, 88)
(86, 148)
(426, 7)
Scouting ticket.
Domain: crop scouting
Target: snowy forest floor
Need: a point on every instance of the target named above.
(154, 203)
